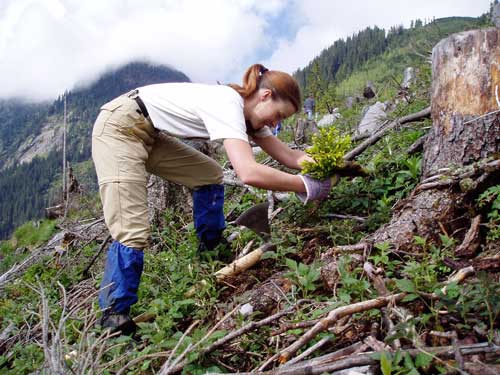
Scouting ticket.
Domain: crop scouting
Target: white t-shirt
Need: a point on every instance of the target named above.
(197, 111)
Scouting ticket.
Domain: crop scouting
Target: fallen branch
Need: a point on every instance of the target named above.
(18, 269)
(379, 134)
(243, 263)
(332, 317)
(367, 358)
(231, 336)
(470, 243)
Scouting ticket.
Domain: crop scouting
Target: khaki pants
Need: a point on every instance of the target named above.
(125, 148)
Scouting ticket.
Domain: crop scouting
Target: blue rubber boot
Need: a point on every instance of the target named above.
(122, 274)
(208, 215)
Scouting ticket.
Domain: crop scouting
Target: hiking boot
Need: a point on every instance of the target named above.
(118, 322)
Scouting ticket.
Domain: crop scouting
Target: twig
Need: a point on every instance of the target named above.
(245, 249)
(166, 365)
(142, 358)
(382, 290)
(332, 317)
(176, 366)
(248, 327)
(480, 117)
(346, 217)
(308, 351)
(367, 359)
(470, 243)
(289, 326)
(349, 248)
(85, 272)
(379, 134)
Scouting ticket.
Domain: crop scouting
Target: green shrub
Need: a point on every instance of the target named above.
(327, 150)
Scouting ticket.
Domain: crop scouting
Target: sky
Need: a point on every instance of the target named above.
(49, 46)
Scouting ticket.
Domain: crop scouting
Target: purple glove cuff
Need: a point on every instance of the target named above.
(316, 189)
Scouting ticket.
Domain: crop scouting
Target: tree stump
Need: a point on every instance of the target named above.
(466, 129)
(304, 131)
(465, 69)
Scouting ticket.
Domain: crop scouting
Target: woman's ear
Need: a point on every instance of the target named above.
(265, 94)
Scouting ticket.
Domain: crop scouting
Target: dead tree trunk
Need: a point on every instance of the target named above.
(304, 131)
(466, 130)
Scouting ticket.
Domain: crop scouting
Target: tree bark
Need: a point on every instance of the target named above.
(465, 76)
(304, 131)
(466, 129)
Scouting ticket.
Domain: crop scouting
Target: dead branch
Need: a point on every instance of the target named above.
(243, 263)
(346, 217)
(85, 272)
(349, 248)
(246, 328)
(60, 356)
(470, 243)
(379, 134)
(297, 325)
(416, 146)
(332, 317)
(308, 351)
(353, 349)
(381, 288)
(18, 269)
(443, 352)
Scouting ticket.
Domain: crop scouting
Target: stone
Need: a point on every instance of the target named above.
(329, 118)
(373, 118)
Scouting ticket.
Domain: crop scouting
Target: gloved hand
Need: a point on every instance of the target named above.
(317, 189)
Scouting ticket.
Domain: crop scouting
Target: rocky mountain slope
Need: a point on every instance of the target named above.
(35, 131)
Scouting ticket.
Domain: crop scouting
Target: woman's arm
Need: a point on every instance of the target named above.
(261, 176)
(282, 153)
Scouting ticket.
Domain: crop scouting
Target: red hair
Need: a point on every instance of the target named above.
(282, 85)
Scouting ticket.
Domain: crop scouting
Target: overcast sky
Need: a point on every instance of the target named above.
(48, 46)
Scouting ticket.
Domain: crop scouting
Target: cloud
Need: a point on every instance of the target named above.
(323, 22)
(49, 46)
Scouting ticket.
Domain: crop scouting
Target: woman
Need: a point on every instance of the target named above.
(137, 133)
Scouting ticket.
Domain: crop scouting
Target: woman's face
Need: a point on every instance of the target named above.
(269, 111)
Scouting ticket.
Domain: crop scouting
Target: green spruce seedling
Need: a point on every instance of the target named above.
(327, 150)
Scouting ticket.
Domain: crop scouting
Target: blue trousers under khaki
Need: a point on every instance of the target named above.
(125, 148)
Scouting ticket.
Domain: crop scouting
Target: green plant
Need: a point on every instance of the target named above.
(32, 233)
(327, 150)
(413, 165)
(353, 288)
(303, 276)
(477, 303)
(400, 363)
(491, 196)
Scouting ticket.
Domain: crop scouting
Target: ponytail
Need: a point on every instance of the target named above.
(282, 85)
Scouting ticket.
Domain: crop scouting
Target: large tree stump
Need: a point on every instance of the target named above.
(466, 129)
(465, 69)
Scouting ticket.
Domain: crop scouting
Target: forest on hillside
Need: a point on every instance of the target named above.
(28, 188)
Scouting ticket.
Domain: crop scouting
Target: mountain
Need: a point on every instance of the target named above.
(411, 45)
(31, 138)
